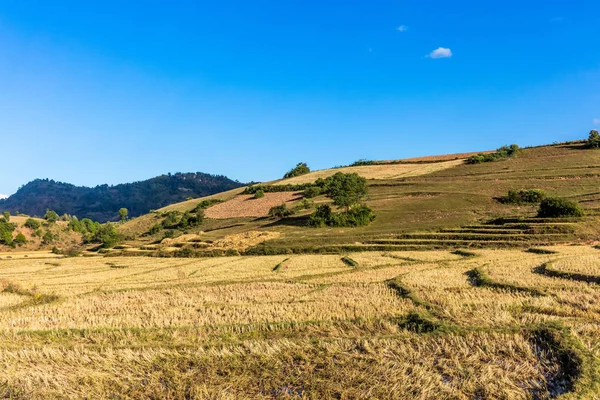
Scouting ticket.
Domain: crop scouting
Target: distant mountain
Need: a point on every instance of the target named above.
(103, 202)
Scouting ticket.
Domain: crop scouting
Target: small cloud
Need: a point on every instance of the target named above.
(596, 121)
(3, 196)
(440, 52)
(402, 28)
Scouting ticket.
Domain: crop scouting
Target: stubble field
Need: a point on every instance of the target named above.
(491, 324)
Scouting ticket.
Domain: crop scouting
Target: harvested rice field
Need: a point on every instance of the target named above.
(383, 171)
(245, 205)
(407, 325)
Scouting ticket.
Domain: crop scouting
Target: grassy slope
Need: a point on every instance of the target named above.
(461, 195)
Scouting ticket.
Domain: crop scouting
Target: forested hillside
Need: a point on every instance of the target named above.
(102, 203)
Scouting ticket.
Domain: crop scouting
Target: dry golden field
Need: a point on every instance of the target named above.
(407, 325)
(383, 171)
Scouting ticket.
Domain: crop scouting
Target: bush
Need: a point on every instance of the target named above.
(312, 191)
(47, 238)
(362, 162)
(299, 169)
(259, 194)
(107, 235)
(280, 211)
(6, 230)
(524, 196)
(502, 152)
(555, 207)
(594, 140)
(32, 224)
(20, 240)
(6, 215)
(51, 216)
(357, 216)
(304, 204)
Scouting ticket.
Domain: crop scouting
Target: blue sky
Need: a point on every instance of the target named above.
(95, 92)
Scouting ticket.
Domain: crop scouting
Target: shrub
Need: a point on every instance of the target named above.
(204, 204)
(594, 140)
(259, 194)
(312, 191)
(107, 235)
(6, 215)
(524, 196)
(305, 204)
(502, 152)
(32, 224)
(554, 207)
(362, 162)
(357, 216)
(47, 238)
(51, 216)
(321, 216)
(20, 240)
(280, 211)
(299, 169)
(6, 230)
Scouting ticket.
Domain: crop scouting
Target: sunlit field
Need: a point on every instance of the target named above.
(478, 324)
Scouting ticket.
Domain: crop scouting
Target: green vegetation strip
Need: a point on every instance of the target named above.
(546, 269)
(479, 278)
(465, 253)
(536, 250)
(278, 267)
(35, 298)
(349, 262)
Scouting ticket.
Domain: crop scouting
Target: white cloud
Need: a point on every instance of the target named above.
(402, 28)
(440, 52)
(596, 121)
(3, 196)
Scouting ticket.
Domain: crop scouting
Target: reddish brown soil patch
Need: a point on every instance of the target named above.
(247, 206)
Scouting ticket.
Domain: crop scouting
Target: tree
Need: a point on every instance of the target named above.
(259, 194)
(346, 190)
(123, 213)
(280, 211)
(594, 140)
(6, 215)
(51, 216)
(107, 235)
(300, 169)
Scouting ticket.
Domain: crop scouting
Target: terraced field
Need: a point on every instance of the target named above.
(382, 324)
(454, 207)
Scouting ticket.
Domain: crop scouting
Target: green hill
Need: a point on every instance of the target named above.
(434, 206)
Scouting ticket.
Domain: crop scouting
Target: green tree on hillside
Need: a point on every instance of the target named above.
(300, 169)
(123, 213)
(20, 240)
(346, 190)
(51, 216)
(594, 140)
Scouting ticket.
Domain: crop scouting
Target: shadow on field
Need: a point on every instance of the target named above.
(299, 221)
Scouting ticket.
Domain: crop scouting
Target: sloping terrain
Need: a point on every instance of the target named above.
(439, 209)
(377, 171)
(102, 203)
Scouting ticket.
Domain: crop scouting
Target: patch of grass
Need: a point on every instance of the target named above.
(280, 265)
(546, 269)
(349, 262)
(478, 277)
(115, 266)
(537, 250)
(465, 253)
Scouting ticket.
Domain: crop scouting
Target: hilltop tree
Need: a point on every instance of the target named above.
(300, 169)
(123, 213)
(594, 140)
(51, 216)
